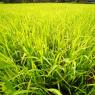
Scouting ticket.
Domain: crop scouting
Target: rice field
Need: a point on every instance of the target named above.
(47, 49)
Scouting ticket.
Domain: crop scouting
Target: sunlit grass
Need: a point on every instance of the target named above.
(47, 49)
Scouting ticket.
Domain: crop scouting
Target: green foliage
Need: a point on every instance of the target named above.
(47, 49)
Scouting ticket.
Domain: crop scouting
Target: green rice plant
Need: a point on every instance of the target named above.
(47, 49)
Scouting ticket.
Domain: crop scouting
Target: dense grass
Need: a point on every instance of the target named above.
(47, 49)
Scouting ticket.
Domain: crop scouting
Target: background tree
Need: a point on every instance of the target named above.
(28, 1)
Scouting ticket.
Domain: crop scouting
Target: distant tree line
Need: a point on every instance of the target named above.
(28, 1)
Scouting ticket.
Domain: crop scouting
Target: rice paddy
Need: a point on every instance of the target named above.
(47, 49)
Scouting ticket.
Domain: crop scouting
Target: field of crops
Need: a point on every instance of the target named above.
(47, 49)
